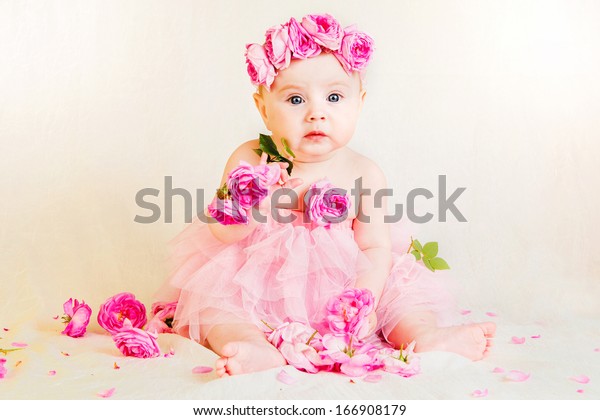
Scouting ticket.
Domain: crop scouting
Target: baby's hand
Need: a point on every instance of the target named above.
(284, 182)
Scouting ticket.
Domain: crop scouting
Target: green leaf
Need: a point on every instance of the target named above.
(416, 253)
(430, 249)
(428, 264)
(439, 264)
(267, 145)
(286, 146)
(417, 245)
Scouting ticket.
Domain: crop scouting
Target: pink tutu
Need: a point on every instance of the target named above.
(287, 272)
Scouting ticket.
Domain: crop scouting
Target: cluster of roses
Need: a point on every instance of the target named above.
(248, 185)
(305, 39)
(344, 346)
(124, 317)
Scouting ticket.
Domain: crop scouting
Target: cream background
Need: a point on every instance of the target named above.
(101, 99)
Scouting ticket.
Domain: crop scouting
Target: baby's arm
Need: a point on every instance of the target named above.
(233, 233)
(373, 237)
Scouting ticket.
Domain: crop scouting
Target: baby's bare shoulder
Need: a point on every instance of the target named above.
(245, 151)
(367, 168)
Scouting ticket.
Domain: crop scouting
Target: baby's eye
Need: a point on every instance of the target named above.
(296, 100)
(334, 97)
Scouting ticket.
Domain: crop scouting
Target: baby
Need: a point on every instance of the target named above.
(279, 262)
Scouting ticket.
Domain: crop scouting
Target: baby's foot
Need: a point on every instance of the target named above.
(239, 357)
(472, 340)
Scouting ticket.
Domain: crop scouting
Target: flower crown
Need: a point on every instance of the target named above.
(306, 39)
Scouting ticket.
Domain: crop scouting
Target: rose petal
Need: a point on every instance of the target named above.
(51, 372)
(597, 350)
(480, 393)
(65, 353)
(498, 370)
(284, 377)
(536, 336)
(372, 378)
(491, 314)
(202, 369)
(582, 379)
(517, 376)
(106, 394)
(465, 312)
(17, 344)
(55, 317)
(5, 329)
(580, 391)
(115, 366)
(518, 340)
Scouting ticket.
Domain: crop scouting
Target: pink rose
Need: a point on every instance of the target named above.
(116, 309)
(259, 67)
(3, 370)
(298, 343)
(77, 317)
(246, 186)
(355, 50)
(302, 44)
(269, 174)
(349, 356)
(402, 362)
(136, 342)
(327, 204)
(227, 212)
(347, 313)
(324, 29)
(277, 46)
(162, 321)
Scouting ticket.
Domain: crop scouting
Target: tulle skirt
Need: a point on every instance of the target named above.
(288, 272)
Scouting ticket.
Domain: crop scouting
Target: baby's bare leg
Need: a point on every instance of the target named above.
(471, 340)
(243, 349)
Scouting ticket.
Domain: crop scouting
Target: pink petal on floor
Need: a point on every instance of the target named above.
(517, 340)
(107, 394)
(55, 317)
(51, 372)
(372, 378)
(580, 391)
(498, 370)
(5, 329)
(517, 376)
(582, 379)
(465, 312)
(479, 393)
(536, 336)
(64, 353)
(491, 314)
(17, 344)
(202, 369)
(284, 377)
(597, 350)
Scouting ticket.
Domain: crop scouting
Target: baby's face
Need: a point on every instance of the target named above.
(312, 95)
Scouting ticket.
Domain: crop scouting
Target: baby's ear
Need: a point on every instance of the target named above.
(259, 101)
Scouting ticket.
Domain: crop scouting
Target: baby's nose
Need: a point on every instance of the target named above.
(316, 114)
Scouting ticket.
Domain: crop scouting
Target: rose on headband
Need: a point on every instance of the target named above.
(301, 42)
(119, 307)
(324, 29)
(136, 342)
(277, 46)
(77, 318)
(355, 50)
(259, 66)
(326, 204)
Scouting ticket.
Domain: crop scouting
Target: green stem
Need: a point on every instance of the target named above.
(268, 326)
(411, 244)
(6, 351)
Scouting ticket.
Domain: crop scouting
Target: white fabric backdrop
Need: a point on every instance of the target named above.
(102, 99)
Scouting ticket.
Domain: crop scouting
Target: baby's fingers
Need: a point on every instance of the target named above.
(263, 158)
(293, 183)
